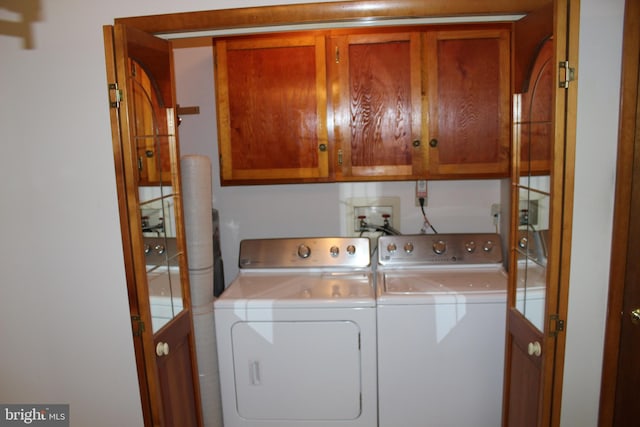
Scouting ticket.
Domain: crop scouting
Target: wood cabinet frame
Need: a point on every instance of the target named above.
(382, 11)
(375, 118)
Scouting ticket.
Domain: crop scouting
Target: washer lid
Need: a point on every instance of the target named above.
(441, 286)
(293, 290)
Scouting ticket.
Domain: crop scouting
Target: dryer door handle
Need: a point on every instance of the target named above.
(254, 372)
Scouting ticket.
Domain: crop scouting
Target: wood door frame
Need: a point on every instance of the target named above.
(529, 34)
(381, 11)
(315, 13)
(627, 141)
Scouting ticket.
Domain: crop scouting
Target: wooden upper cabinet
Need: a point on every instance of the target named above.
(272, 103)
(467, 80)
(376, 105)
(364, 104)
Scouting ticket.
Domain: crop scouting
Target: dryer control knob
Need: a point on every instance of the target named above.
(351, 250)
(408, 247)
(440, 247)
(391, 248)
(334, 251)
(488, 246)
(304, 251)
(470, 246)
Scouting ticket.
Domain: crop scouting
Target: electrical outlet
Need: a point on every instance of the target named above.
(495, 213)
(528, 212)
(421, 192)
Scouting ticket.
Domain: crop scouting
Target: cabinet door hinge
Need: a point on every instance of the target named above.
(566, 74)
(556, 325)
(115, 95)
(137, 325)
(340, 157)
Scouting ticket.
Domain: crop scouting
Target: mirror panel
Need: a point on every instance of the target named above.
(532, 251)
(153, 138)
(533, 113)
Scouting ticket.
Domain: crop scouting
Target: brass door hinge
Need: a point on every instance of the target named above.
(137, 325)
(566, 74)
(115, 95)
(556, 325)
(340, 157)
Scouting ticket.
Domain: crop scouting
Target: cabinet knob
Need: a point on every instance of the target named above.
(433, 143)
(416, 143)
(162, 349)
(635, 316)
(322, 147)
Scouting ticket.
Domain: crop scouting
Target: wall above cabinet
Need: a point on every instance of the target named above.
(393, 103)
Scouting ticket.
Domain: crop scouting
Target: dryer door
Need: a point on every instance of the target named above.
(297, 370)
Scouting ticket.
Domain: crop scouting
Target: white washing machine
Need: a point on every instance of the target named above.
(441, 329)
(296, 335)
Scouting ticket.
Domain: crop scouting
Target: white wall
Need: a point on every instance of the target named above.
(598, 107)
(63, 303)
(65, 335)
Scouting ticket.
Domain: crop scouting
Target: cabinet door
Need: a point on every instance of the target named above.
(376, 98)
(271, 99)
(467, 82)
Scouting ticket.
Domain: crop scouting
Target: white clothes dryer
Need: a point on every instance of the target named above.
(296, 335)
(441, 328)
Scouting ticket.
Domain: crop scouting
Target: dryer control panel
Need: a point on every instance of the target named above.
(440, 249)
(305, 252)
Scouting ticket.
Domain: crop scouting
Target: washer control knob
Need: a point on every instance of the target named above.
(334, 251)
(351, 250)
(304, 251)
(470, 247)
(488, 246)
(440, 247)
(408, 247)
(391, 247)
